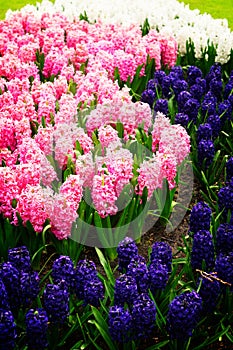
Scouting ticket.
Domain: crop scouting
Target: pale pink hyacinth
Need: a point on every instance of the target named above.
(67, 109)
(168, 167)
(85, 168)
(72, 189)
(150, 176)
(131, 115)
(106, 135)
(46, 107)
(31, 207)
(175, 140)
(44, 139)
(104, 194)
(161, 123)
(61, 214)
(119, 162)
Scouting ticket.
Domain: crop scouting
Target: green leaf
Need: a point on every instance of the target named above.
(102, 327)
(105, 265)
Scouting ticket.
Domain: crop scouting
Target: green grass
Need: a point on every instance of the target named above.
(217, 9)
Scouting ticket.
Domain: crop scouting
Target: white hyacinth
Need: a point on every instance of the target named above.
(168, 16)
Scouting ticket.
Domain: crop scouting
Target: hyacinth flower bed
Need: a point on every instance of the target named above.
(105, 123)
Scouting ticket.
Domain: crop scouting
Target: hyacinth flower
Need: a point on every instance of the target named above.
(63, 270)
(8, 333)
(183, 315)
(182, 119)
(209, 289)
(161, 105)
(125, 290)
(224, 238)
(224, 268)
(229, 169)
(36, 329)
(93, 291)
(11, 279)
(143, 313)
(215, 122)
(162, 252)
(148, 96)
(202, 250)
(56, 302)
(120, 324)
(29, 287)
(204, 132)
(158, 276)
(225, 111)
(85, 269)
(205, 152)
(225, 198)
(137, 268)
(19, 257)
(193, 73)
(4, 303)
(209, 104)
(200, 217)
(126, 250)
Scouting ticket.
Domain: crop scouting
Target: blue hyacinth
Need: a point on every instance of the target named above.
(85, 269)
(182, 119)
(56, 302)
(126, 250)
(19, 257)
(143, 313)
(202, 250)
(63, 269)
(120, 324)
(204, 132)
(8, 333)
(200, 217)
(158, 276)
(11, 279)
(193, 73)
(161, 105)
(93, 291)
(162, 253)
(183, 315)
(224, 267)
(148, 96)
(229, 169)
(36, 329)
(215, 122)
(29, 287)
(137, 268)
(224, 238)
(4, 301)
(205, 152)
(209, 291)
(125, 290)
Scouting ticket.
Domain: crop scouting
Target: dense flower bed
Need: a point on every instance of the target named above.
(169, 16)
(98, 117)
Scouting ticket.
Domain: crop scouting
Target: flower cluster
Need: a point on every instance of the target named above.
(183, 315)
(132, 289)
(203, 31)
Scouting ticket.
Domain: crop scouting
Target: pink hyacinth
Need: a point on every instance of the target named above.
(107, 135)
(104, 194)
(31, 207)
(175, 140)
(161, 123)
(62, 214)
(150, 176)
(85, 168)
(44, 139)
(72, 189)
(168, 167)
(9, 191)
